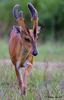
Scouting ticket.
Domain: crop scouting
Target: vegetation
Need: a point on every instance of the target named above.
(42, 84)
(4, 49)
(45, 82)
(51, 16)
(50, 51)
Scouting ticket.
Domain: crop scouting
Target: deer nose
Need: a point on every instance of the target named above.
(35, 53)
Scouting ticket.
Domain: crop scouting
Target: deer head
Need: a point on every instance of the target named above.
(29, 36)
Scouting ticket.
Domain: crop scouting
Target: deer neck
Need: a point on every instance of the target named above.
(25, 54)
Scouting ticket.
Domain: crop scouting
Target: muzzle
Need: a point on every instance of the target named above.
(35, 53)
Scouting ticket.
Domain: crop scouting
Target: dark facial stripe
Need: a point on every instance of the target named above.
(35, 32)
(27, 30)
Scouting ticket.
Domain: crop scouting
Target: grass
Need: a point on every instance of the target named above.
(50, 51)
(40, 85)
(4, 49)
(9, 86)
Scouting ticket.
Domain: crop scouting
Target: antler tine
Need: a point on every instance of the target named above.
(34, 15)
(33, 11)
(17, 14)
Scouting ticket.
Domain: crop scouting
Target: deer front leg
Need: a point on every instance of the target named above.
(28, 67)
(19, 75)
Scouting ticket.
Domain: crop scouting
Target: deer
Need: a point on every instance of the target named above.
(23, 44)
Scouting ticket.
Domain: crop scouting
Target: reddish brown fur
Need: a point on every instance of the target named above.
(16, 46)
(15, 50)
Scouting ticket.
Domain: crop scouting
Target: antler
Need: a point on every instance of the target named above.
(19, 17)
(33, 11)
(34, 15)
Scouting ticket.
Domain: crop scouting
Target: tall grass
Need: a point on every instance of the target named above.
(4, 53)
(42, 84)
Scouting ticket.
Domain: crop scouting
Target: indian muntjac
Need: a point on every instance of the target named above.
(23, 44)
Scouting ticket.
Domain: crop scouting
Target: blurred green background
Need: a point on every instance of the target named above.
(51, 20)
(51, 17)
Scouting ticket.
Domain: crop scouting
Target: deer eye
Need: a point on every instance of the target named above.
(27, 39)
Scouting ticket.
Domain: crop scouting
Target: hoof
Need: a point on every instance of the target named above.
(23, 91)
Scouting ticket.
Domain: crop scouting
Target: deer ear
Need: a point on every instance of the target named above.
(17, 29)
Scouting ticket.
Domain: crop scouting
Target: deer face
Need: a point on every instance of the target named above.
(29, 37)
(30, 43)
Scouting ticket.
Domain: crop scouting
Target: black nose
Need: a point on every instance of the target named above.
(35, 53)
